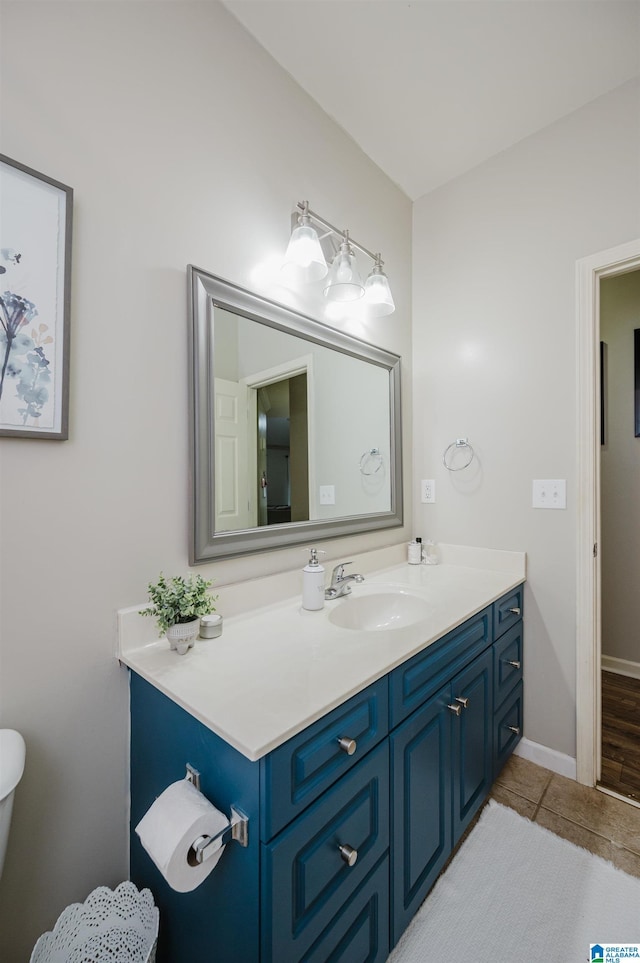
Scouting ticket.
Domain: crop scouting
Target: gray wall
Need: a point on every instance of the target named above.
(495, 256)
(620, 473)
(176, 131)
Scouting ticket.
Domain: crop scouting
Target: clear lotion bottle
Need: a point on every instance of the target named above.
(313, 583)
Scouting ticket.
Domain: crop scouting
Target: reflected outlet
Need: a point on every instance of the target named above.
(327, 494)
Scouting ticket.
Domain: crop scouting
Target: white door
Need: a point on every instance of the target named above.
(235, 502)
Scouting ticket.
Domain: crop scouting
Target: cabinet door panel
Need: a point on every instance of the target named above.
(472, 734)
(305, 878)
(421, 777)
(360, 931)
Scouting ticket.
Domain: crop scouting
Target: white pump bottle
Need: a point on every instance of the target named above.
(313, 583)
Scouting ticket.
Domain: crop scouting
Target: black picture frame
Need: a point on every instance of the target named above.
(35, 293)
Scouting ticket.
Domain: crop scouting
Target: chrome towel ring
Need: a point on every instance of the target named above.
(371, 461)
(456, 445)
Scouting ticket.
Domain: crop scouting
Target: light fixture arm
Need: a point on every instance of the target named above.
(303, 208)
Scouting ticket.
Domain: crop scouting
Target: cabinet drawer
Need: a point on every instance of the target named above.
(507, 728)
(418, 679)
(305, 879)
(296, 773)
(507, 663)
(507, 611)
(360, 931)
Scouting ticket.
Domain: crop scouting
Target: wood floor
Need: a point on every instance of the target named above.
(621, 734)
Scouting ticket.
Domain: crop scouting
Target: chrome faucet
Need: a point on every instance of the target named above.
(341, 583)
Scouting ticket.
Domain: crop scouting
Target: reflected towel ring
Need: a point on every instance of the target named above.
(457, 444)
(369, 459)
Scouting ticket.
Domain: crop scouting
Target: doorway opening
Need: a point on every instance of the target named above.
(591, 400)
(283, 445)
(620, 533)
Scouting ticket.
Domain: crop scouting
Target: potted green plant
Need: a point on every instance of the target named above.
(177, 605)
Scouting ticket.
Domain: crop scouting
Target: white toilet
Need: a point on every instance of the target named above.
(12, 755)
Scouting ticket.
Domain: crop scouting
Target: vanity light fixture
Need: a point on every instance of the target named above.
(343, 282)
(377, 291)
(306, 261)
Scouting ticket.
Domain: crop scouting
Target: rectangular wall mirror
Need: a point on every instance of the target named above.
(295, 426)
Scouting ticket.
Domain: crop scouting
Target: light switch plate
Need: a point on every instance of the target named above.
(327, 494)
(549, 493)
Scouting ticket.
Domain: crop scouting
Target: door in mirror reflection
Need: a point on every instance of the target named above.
(310, 420)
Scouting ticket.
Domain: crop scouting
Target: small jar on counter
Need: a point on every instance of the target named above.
(210, 626)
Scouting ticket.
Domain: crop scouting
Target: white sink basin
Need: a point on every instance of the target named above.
(386, 609)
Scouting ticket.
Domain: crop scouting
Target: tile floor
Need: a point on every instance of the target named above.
(600, 823)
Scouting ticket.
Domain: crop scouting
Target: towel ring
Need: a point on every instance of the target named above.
(457, 444)
(374, 456)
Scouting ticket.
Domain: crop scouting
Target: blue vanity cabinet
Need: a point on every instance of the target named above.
(352, 819)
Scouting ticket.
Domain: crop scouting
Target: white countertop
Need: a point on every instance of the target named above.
(276, 669)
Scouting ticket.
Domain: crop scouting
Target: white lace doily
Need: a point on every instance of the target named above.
(119, 925)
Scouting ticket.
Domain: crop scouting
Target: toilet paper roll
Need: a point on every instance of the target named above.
(169, 828)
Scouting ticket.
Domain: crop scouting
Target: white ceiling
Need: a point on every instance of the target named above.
(430, 88)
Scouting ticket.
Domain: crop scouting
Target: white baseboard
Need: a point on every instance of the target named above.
(621, 666)
(549, 758)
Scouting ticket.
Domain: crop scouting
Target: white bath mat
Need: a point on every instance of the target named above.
(515, 893)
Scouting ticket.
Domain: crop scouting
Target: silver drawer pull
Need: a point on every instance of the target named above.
(514, 663)
(515, 610)
(455, 709)
(514, 729)
(349, 854)
(463, 701)
(348, 745)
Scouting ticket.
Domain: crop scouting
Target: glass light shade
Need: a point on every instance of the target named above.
(344, 282)
(304, 260)
(377, 293)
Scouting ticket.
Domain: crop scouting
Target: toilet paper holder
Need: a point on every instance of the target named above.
(238, 829)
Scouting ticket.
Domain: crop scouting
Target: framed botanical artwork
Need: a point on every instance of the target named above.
(35, 274)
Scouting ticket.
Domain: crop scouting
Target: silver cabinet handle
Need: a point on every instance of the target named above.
(515, 610)
(455, 709)
(348, 745)
(515, 729)
(349, 854)
(463, 701)
(514, 663)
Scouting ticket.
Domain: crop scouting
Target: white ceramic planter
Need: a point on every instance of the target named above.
(182, 635)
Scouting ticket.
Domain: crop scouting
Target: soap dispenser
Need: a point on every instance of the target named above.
(313, 583)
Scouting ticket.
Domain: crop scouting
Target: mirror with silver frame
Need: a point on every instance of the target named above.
(295, 426)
